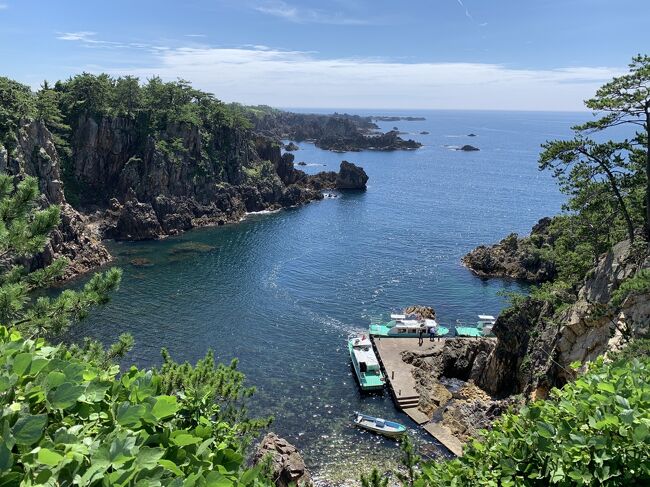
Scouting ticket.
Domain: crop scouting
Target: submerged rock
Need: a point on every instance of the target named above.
(191, 248)
(287, 466)
(141, 262)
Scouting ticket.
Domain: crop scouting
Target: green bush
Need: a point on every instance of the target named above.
(594, 431)
(65, 421)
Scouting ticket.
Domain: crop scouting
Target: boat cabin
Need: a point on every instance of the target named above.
(365, 356)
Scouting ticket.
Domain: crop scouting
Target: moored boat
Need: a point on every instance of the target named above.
(380, 426)
(365, 363)
(482, 328)
(408, 326)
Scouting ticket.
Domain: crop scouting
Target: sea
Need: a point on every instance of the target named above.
(281, 291)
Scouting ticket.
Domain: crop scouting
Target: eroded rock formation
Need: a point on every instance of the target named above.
(286, 463)
(515, 257)
(35, 155)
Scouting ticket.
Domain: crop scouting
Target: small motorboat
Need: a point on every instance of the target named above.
(391, 429)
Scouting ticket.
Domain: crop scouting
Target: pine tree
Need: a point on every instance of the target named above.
(24, 231)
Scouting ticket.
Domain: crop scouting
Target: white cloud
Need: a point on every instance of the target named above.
(291, 13)
(300, 79)
(195, 35)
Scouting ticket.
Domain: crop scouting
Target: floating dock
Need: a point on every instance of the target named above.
(401, 383)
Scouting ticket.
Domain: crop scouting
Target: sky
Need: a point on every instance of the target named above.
(409, 54)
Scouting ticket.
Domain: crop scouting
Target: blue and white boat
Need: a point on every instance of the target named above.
(391, 429)
(407, 326)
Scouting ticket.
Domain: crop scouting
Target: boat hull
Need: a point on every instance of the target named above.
(389, 429)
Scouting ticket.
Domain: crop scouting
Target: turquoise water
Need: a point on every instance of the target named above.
(281, 291)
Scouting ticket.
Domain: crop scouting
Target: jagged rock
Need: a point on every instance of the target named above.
(471, 135)
(291, 147)
(302, 163)
(514, 257)
(423, 312)
(424, 132)
(136, 221)
(469, 148)
(74, 238)
(351, 176)
(287, 466)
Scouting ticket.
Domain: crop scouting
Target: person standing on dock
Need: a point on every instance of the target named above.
(432, 333)
(421, 336)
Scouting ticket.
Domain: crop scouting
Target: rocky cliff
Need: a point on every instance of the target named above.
(536, 343)
(36, 155)
(515, 257)
(153, 185)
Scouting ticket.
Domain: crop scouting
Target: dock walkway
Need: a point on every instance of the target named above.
(401, 383)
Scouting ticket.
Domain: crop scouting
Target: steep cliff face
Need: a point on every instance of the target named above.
(180, 178)
(536, 344)
(36, 155)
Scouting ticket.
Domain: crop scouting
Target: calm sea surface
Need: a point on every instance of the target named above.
(282, 291)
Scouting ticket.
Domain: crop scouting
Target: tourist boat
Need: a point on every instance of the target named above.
(483, 327)
(391, 429)
(365, 363)
(405, 326)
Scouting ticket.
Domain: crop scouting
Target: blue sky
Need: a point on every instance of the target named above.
(496, 54)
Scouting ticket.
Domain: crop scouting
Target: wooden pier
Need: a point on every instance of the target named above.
(401, 383)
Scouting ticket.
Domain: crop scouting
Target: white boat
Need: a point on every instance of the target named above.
(380, 426)
(365, 363)
(401, 325)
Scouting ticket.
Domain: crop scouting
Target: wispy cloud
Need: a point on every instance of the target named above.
(292, 13)
(259, 74)
(3, 6)
(467, 13)
(292, 78)
(195, 35)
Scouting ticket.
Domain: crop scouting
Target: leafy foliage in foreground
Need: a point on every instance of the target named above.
(66, 421)
(593, 431)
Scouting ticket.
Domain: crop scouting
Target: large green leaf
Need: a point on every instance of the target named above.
(65, 395)
(22, 361)
(165, 406)
(130, 415)
(28, 429)
(48, 457)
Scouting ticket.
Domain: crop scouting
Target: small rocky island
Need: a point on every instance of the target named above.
(468, 148)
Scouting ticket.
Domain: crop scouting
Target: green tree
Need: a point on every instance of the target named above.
(375, 479)
(128, 96)
(590, 171)
(16, 104)
(24, 231)
(626, 101)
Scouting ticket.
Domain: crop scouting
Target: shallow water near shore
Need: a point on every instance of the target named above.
(281, 291)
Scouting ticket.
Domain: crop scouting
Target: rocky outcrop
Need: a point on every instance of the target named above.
(388, 141)
(471, 410)
(286, 464)
(336, 132)
(459, 359)
(36, 155)
(422, 312)
(291, 147)
(351, 176)
(515, 257)
(469, 148)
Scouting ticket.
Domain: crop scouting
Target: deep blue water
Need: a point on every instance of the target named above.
(281, 291)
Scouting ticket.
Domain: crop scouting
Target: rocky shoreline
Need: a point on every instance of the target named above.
(514, 257)
(133, 189)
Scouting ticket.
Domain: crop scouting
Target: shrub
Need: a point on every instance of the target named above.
(66, 421)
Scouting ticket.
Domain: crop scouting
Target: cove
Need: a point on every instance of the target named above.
(281, 291)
